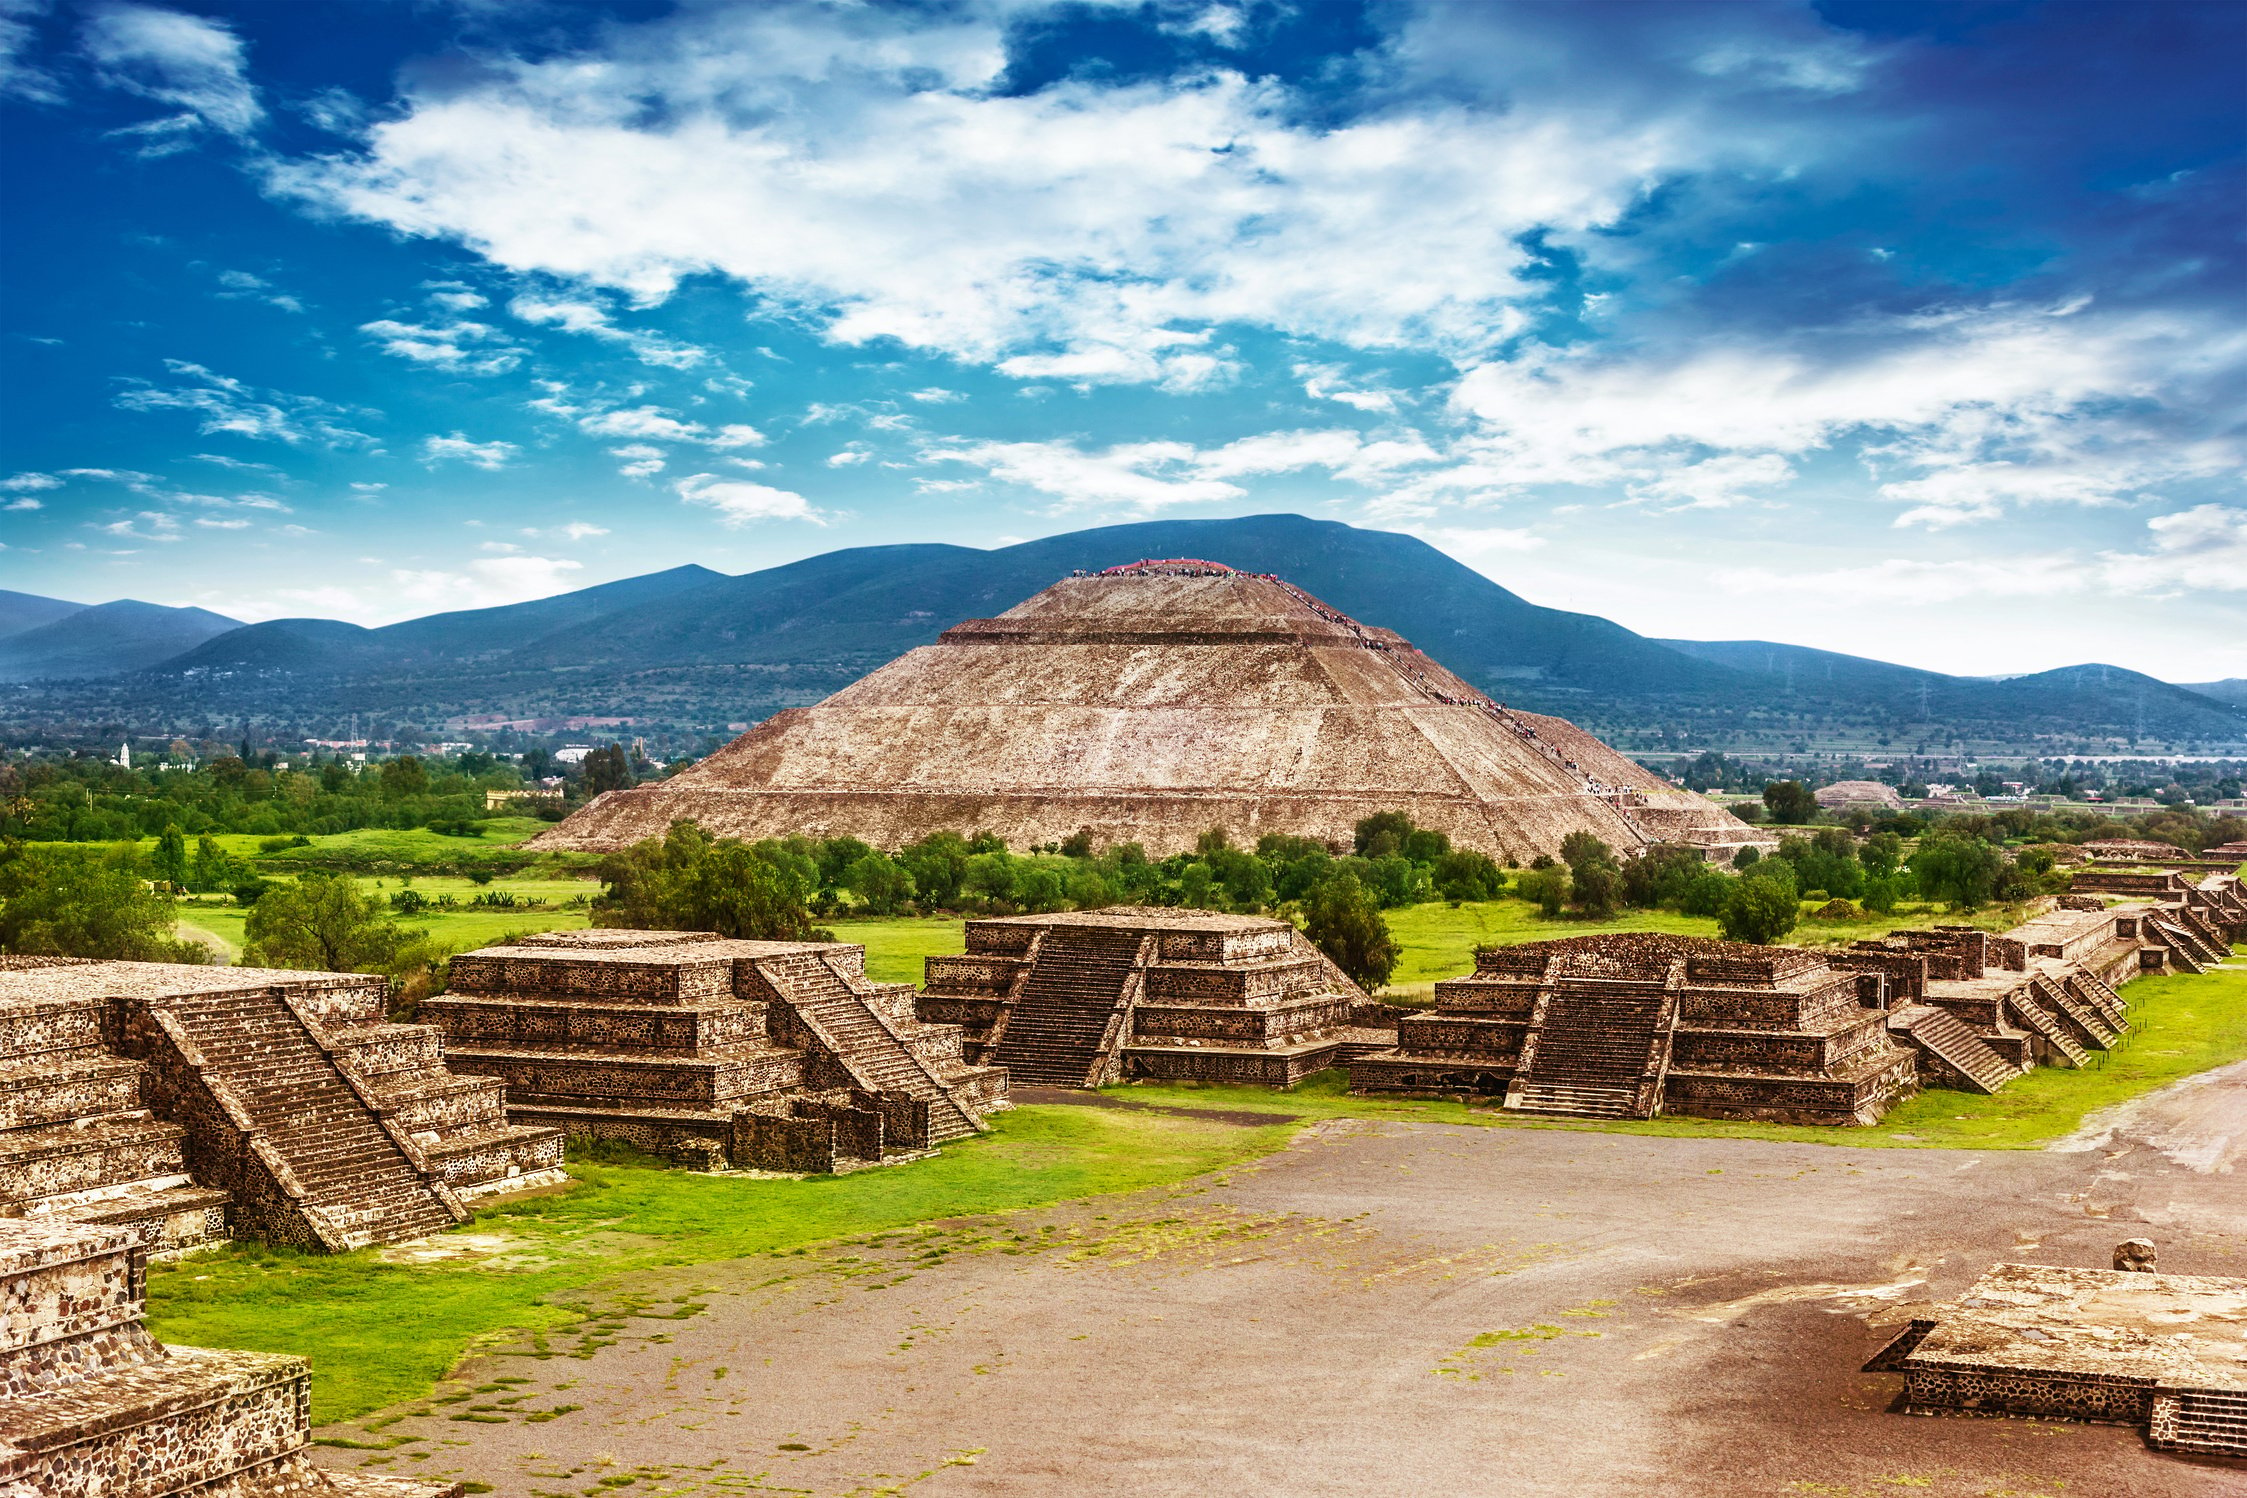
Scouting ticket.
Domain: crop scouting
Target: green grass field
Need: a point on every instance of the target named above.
(378, 1332)
(458, 929)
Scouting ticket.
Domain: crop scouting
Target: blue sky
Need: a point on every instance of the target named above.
(1915, 331)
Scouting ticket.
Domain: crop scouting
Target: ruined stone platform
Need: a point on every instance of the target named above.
(1630, 1025)
(204, 1101)
(765, 1055)
(2165, 1351)
(1084, 998)
(91, 1406)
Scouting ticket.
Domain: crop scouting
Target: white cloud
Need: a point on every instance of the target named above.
(212, 522)
(487, 582)
(1086, 232)
(461, 347)
(488, 456)
(740, 503)
(229, 405)
(1157, 475)
(1330, 382)
(649, 424)
(26, 503)
(30, 483)
(2204, 547)
(148, 525)
(240, 285)
(580, 530)
(848, 456)
(19, 76)
(1713, 483)
(936, 395)
(1970, 410)
(579, 315)
(640, 460)
(181, 60)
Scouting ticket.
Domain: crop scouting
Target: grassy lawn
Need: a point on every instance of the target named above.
(895, 948)
(378, 1333)
(460, 927)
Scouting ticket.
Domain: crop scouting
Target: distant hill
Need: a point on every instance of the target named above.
(2232, 689)
(2109, 697)
(22, 611)
(107, 639)
(694, 648)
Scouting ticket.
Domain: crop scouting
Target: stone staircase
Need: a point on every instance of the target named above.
(2207, 1422)
(1951, 1040)
(2100, 995)
(359, 1183)
(2188, 948)
(1593, 1048)
(1062, 1015)
(2053, 1033)
(867, 1046)
(2090, 1023)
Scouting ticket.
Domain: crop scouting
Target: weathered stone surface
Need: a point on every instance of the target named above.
(91, 1406)
(767, 1055)
(1080, 998)
(199, 1100)
(1147, 705)
(2120, 1346)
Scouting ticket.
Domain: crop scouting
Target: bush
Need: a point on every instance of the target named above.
(1759, 911)
(85, 902)
(1345, 923)
(690, 881)
(324, 921)
(1548, 887)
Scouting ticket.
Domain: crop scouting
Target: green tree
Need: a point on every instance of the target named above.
(1548, 887)
(607, 770)
(169, 862)
(1344, 921)
(1463, 874)
(1759, 911)
(403, 777)
(85, 902)
(1383, 833)
(1790, 801)
(1962, 870)
(213, 869)
(326, 922)
(689, 881)
(1595, 884)
(880, 882)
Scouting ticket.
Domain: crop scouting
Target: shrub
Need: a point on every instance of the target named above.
(1759, 911)
(1345, 923)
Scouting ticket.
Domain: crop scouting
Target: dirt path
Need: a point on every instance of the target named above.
(1383, 1309)
(223, 951)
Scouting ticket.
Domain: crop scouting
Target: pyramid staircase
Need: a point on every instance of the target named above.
(841, 1013)
(1952, 1041)
(2100, 995)
(2088, 1021)
(339, 1168)
(1065, 1024)
(2206, 1422)
(1594, 1043)
(2191, 948)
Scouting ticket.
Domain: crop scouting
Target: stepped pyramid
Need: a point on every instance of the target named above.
(1147, 704)
(767, 1054)
(1084, 998)
(195, 1101)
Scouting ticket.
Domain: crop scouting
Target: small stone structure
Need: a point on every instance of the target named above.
(2113, 1346)
(1084, 998)
(758, 1054)
(2135, 850)
(91, 1406)
(1843, 793)
(1625, 1026)
(278, 1105)
(1147, 704)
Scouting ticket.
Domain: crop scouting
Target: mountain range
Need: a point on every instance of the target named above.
(693, 648)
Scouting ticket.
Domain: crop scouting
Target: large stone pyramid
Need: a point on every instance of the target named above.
(1147, 704)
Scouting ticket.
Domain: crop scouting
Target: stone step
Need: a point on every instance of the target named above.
(1945, 1035)
(1580, 1102)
